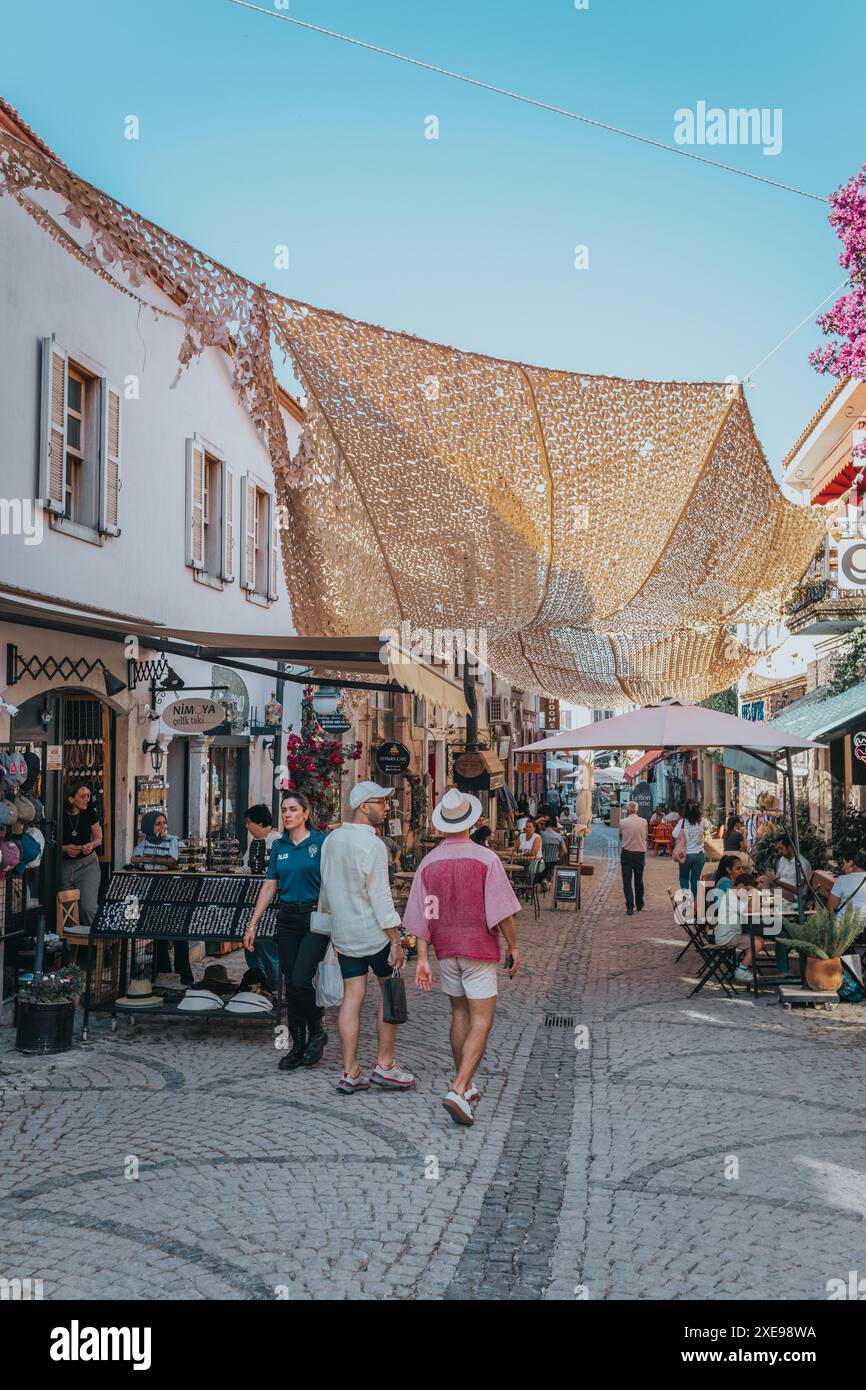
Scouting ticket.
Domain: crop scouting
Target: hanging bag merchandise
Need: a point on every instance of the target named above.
(394, 1008)
(329, 981)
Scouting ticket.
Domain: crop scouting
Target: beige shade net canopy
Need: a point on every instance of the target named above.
(599, 532)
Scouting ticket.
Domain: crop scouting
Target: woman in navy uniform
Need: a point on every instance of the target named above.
(294, 878)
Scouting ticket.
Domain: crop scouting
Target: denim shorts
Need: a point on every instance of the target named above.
(351, 967)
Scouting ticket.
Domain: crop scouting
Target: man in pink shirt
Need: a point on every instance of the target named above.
(460, 901)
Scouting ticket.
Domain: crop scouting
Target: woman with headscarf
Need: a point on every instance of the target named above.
(159, 850)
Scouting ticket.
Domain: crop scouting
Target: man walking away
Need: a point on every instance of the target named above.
(632, 858)
(356, 908)
(460, 901)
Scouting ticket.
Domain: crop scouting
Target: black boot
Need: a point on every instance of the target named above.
(294, 1058)
(316, 1044)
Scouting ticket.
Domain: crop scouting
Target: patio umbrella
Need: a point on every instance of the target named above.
(672, 724)
(603, 776)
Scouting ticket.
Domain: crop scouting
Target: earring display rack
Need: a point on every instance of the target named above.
(141, 906)
(151, 794)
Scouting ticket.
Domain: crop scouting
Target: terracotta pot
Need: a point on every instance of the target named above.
(823, 974)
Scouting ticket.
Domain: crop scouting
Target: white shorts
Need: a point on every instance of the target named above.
(468, 979)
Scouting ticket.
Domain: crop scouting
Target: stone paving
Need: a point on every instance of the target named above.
(700, 1148)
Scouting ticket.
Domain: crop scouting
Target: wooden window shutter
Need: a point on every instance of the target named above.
(52, 445)
(227, 512)
(195, 467)
(248, 533)
(109, 460)
(274, 553)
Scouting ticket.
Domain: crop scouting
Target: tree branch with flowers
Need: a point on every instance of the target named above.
(846, 321)
(314, 765)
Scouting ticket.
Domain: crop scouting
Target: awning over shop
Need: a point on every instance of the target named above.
(749, 767)
(643, 764)
(819, 714)
(341, 659)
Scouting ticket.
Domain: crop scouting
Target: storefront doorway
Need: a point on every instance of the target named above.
(73, 733)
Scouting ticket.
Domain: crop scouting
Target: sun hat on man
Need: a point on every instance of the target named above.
(368, 791)
(456, 811)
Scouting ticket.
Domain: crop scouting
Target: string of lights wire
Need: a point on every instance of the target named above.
(527, 101)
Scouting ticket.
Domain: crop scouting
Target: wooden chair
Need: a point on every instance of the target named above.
(76, 938)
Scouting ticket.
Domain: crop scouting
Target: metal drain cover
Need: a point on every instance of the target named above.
(559, 1020)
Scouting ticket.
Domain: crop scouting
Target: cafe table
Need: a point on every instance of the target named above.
(755, 925)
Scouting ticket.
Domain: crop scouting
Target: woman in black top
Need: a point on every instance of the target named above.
(81, 836)
(735, 836)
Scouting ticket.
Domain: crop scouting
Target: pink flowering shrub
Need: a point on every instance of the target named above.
(846, 321)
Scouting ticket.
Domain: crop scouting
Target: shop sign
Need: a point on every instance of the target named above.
(642, 794)
(395, 827)
(392, 758)
(469, 765)
(335, 723)
(858, 758)
(194, 716)
(529, 769)
(753, 709)
(54, 757)
(550, 712)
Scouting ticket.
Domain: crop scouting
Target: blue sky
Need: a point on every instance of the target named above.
(254, 133)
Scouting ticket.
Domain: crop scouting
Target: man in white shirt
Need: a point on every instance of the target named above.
(785, 876)
(357, 910)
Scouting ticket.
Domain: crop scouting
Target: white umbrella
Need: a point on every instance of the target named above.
(674, 724)
(606, 775)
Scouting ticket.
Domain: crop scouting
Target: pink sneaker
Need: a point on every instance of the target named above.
(394, 1078)
(350, 1084)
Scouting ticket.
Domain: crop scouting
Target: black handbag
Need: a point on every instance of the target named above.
(394, 1008)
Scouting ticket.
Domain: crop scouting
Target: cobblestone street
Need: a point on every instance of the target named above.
(600, 1168)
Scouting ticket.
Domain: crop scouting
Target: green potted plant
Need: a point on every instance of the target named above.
(824, 938)
(46, 1011)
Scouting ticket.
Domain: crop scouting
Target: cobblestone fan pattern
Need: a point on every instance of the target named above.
(175, 1161)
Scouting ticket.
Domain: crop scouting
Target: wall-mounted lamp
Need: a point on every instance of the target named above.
(157, 754)
(270, 747)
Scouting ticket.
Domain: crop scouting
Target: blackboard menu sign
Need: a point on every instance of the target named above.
(565, 890)
(199, 906)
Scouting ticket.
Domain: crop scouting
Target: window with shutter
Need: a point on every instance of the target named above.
(228, 523)
(259, 540)
(52, 454)
(273, 548)
(195, 503)
(109, 461)
(249, 516)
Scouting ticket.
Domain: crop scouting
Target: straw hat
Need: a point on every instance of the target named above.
(140, 996)
(456, 811)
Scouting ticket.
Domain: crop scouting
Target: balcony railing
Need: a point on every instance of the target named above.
(804, 594)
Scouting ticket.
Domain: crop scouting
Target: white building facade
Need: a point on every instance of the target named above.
(126, 498)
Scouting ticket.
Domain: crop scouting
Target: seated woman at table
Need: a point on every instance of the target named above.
(481, 834)
(734, 897)
(735, 835)
(529, 844)
(158, 849)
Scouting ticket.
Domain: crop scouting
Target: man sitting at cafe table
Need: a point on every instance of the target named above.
(785, 876)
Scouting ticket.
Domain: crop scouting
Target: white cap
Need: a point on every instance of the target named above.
(368, 791)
